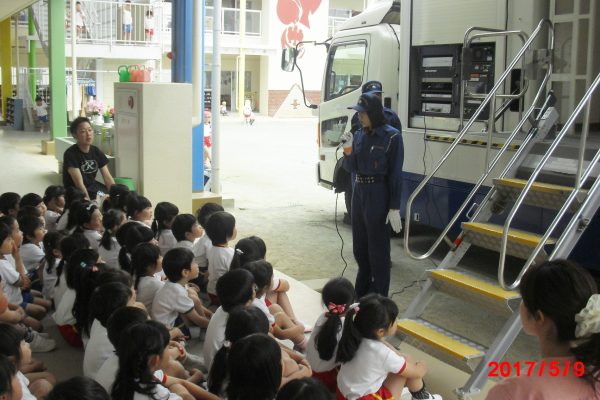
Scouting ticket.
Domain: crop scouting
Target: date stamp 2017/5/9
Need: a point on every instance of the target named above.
(506, 369)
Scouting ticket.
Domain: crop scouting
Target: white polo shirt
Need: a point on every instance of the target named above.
(93, 237)
(50, 217)
(110, 257)
(215, 335)
(201, 250)
(146, 290)
(32, 255)
(64, 309)
(108, 372)
(27, 395)
(49, 280)
(10, 278)
(312, 355)
(170, 301)
(97, 351)
(369, 368)
(259, 302)
(219, 260)
(166, 241)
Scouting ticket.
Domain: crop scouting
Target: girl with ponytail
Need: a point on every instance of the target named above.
(561, 307)
(109, 247)
(371, 367)
(338, 296)
(128, 236)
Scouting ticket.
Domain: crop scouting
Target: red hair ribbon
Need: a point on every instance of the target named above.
(336, 309)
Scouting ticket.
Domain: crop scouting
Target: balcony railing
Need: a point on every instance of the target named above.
(230, 21)
(103, 22)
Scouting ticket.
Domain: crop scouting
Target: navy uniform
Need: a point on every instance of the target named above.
(392, 119)
(375, 162)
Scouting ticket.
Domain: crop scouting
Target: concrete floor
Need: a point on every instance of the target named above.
(269, 170)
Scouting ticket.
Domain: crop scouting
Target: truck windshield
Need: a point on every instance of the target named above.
(345, 67)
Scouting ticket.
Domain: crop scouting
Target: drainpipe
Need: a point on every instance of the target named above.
(242, 64)
(197, 97)
(216, 100)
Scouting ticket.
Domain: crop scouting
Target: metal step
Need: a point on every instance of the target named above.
(546, 195)
(441, 344)
(520, 243)
(475, 289)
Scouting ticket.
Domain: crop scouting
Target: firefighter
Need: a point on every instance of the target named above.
(374, 156)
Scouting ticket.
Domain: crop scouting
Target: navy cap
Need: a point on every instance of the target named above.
(364, 103)
(372, 87)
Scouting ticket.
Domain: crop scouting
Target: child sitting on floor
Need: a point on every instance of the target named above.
(164, 214)
(220, 228)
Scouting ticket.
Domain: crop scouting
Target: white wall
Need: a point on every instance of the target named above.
(313, 60)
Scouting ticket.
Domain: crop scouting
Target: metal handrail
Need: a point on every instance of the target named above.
(462, 133)
(585, 101)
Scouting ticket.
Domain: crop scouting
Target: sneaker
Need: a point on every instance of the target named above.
(40, 344)
(428, 396)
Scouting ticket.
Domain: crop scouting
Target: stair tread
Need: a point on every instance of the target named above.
(516, 235)
(537, 186)
(439, 338)
(474, 284)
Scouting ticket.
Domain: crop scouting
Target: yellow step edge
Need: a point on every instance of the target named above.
(537, 186)
(514, 235)
(476, 285)
(438, 340)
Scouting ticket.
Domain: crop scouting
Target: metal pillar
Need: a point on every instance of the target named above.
(32, 55)
(73, 61)
(216, 100)
(5, 62)
(56, 45)
(242, 64)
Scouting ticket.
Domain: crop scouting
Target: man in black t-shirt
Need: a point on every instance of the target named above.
(82, 161)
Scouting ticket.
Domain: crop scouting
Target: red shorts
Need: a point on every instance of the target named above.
(382, 394)
(70, 335)
(149, 31)
(329, 378)
(214, 299)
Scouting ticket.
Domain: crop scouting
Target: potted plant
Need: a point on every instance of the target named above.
(108, 114)
(94, 109)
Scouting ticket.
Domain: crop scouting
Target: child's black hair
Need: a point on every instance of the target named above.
(128, 236)
(261, 245)
(10, 343)
(121, 319)
(31, 199)
(72, 194)
(51, 242)
(560, 289)
(117, 198)
(5, 232)
(28, 211)
(28, 225)
(164, 212)
(181, 225)
(107, 298)
(220, 227)
(136, 204)
(206, 211)
(234, 288)
(9, 201)
(254, 367)
(262, 271)
(68, 245)
(82, 273)
(373, 313)
(81, 213)
(110, 220)
(7, 374)
(75, 124)
(242, 321)
(77, 388)
(53, 192)
(38, 98)
(304, 389)
(137, 344)
(246, 251)
(337, 296)
(143, 255)
(175, 261)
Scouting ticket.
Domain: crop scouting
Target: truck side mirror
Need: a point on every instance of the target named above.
(288, 59)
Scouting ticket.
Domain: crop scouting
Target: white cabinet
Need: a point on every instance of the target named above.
(153, 140)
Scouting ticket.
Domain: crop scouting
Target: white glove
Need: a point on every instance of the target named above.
(393, 218)
(346, 140)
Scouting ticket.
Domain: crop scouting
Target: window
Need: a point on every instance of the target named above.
(345, 66)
